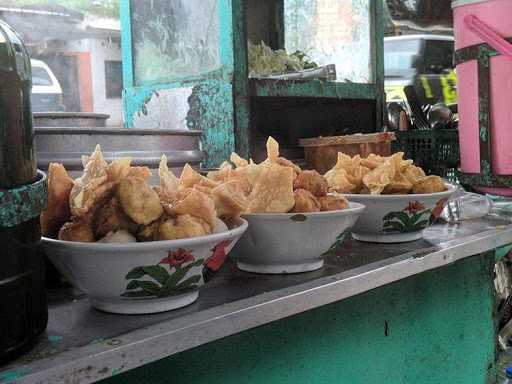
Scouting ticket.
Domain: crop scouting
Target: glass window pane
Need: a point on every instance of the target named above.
(331, 32)
(175, 39)
(70, 43)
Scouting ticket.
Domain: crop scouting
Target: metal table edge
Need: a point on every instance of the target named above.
(95, 362)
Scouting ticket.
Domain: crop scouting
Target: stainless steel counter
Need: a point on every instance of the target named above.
(83, 345)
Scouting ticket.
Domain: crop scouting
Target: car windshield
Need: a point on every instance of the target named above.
(41, 77)
(400, 56)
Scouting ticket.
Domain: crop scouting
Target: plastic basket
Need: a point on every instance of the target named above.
(436, 151)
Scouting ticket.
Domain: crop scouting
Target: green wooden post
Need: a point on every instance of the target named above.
(240, 82)
(432, 328)
(377, 36)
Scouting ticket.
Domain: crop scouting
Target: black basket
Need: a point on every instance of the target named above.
(436, 151)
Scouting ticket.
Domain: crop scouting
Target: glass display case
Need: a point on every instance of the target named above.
(240, 70)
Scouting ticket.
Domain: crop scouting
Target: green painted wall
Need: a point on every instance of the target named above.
(434, 328)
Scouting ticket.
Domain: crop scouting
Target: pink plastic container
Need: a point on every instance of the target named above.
(477, 22)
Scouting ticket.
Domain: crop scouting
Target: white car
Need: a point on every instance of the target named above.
(46, 90)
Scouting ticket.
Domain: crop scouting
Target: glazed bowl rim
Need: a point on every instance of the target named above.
(149, 245)
(354, 207)
(412, 196)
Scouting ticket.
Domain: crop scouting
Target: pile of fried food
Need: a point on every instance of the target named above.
(380, 175)
(116, 203)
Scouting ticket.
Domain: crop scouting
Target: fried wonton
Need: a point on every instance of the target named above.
(168, 181)
(141, 172)
(140, 202)
(413, 173)
(311, 181)
(118, 169)
(193, 202)
(272, 190)
(372, 161)
(337, 180)
(183, 227)
(238, 161)
(57, 210)
(79, 230)
(93, 187)
(305, 201)
(110, 217)
(333, 202)
(429, 184)
(189, 178)
(379, 178)
(230, 199)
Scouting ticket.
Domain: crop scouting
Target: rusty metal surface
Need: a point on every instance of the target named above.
(83, 345)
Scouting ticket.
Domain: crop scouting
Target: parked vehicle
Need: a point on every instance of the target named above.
(424, 61)
(46, 90)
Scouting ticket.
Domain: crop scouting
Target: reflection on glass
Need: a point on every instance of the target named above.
(331, 32)
(174, 39)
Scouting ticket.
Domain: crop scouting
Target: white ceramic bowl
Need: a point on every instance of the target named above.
(397, 218)
(136, 278)
(290, 242)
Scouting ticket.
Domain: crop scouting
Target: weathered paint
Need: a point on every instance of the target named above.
(210, 103)
(241, 98)
(21, 204)
(436, 327)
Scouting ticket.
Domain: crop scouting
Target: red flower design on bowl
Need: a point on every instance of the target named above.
(178, 257)
(414, 207)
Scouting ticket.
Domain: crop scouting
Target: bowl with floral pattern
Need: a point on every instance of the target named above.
(284, 243)
(141, 278)
(397, 218)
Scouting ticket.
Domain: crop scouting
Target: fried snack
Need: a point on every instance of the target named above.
(332, 202)
(93, 187)
(372, 161)
(192, 202)
(78, 230)
(229, 199)
(241, 177)
(168, 181)
(57, 210)
(150, 232)
(141, 172)
(347, 175)
(272, 149)
(222, 174)
(379, 178)
(118, 169)
(337, 181)
(121, 236)
(110, 217)
(305, 201)
(189, 178)
(273, 190)
(429, 184)
(400, 185)
(183, 227)
(311, 181)
(413, 173)
(237, 160)
(140, 202)
(287, 163)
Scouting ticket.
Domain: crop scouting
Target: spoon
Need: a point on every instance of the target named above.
(439, 116)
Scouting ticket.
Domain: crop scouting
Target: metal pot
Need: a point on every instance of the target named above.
(145, 146)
